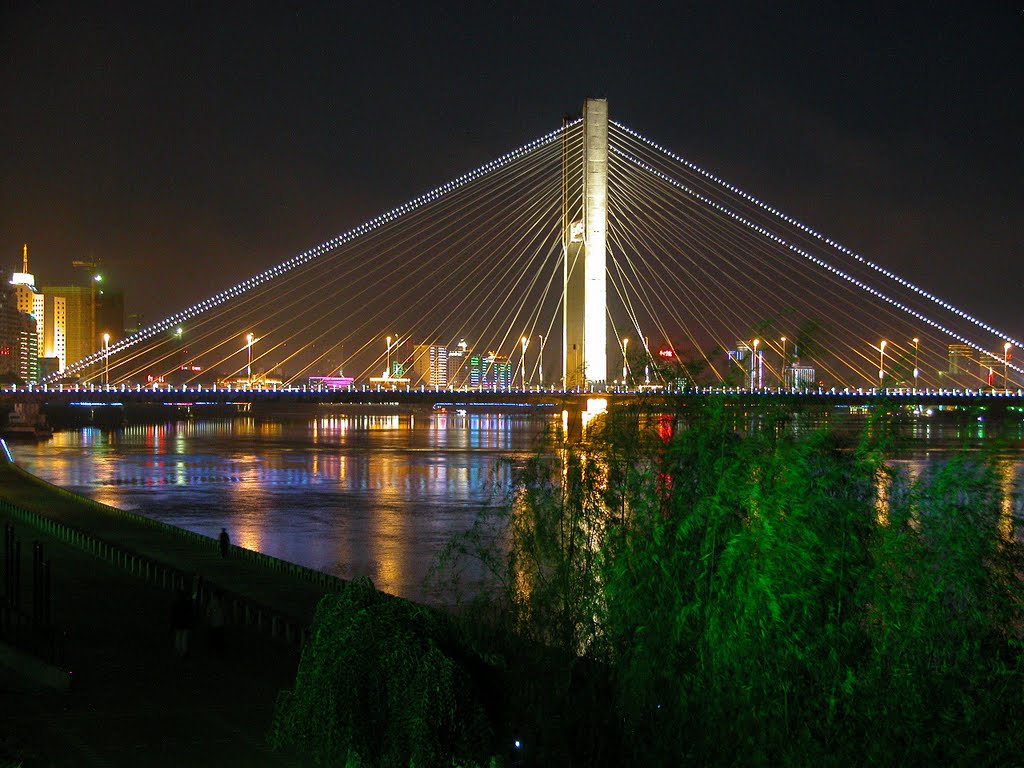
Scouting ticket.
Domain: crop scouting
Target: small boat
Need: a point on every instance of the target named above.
(20, 426)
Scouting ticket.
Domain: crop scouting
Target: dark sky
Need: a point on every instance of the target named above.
(189, 146)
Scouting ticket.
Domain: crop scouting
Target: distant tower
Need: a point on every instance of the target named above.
(50, 313)
(584, 336)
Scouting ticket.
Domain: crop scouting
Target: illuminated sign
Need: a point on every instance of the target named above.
(331, 382)
(666, 353)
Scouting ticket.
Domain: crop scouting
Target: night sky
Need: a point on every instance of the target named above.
(189, 147)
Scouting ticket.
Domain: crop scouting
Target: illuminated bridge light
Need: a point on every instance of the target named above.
(795, 249)
(316, 251)
(813, 233)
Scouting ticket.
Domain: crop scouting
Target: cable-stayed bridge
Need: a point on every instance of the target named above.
(590, 258)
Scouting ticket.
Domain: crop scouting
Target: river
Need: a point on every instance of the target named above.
(362, 495)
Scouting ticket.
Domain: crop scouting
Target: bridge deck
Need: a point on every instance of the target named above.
(530, 398)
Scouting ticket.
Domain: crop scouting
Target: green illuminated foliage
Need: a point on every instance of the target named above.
(376, 687)
(707, 587)
(757, 594)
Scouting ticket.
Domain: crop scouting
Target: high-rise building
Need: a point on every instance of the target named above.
(24, 283)
(430, 365)
(48, 366)
(800, 376)
(476, 370)
(458, 360)
(133, 323)
(963, 359)
(109, 314)
(54, 338)
(489, 370)
(751, 361)
(90, 310)
(49, 311)
(79, 318)
(19, 346)
(28, 349)
(970, 368)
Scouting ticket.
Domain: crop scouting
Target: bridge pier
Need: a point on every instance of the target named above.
(572, 423)
(578, 412)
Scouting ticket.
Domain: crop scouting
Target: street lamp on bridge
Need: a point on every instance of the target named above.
(881, 362)
(522, 363)
(106, 360)
(625, 368)
(540, 362)
(1006, 360)
(647, 361)
(782, 374)
(753, 362)
(249, 338)
(917, 371)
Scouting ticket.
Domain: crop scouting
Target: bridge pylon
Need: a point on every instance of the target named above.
(585, 225)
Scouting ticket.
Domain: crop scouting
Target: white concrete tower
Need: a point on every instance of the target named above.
(584, 339)
(595, 217)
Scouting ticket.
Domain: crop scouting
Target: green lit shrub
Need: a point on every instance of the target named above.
(757, 594)
(703, 587)
(376, 687)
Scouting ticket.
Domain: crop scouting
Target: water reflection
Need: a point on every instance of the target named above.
(1007, 491)
(373, 495)
(377, 495)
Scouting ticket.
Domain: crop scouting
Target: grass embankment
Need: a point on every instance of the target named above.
(133, 701)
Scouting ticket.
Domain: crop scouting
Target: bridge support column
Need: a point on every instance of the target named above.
(572, 424)
(585, 345)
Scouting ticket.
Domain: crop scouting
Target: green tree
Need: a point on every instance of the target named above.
(759, 594)
(378, 685)
(944, 681)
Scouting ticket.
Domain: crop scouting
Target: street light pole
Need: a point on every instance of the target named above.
(647, 362)
(522, 364)
(917, 371)
(1006, 360)
(625, 369)
(784, 360)
(248, 365)
(106, 360)
(881, 363)
(387, 364)
(753, 362)
(540, 362)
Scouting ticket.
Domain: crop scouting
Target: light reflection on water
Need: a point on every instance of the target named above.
(374, 496)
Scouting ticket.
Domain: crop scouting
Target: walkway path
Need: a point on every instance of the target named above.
(133, 702)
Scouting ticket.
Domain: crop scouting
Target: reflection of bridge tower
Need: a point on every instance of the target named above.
(584, 342)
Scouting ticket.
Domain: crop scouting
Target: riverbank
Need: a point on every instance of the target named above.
(132, 701)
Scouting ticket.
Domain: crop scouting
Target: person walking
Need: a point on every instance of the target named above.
(225, 542)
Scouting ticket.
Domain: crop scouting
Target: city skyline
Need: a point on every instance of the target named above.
(134, 146)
